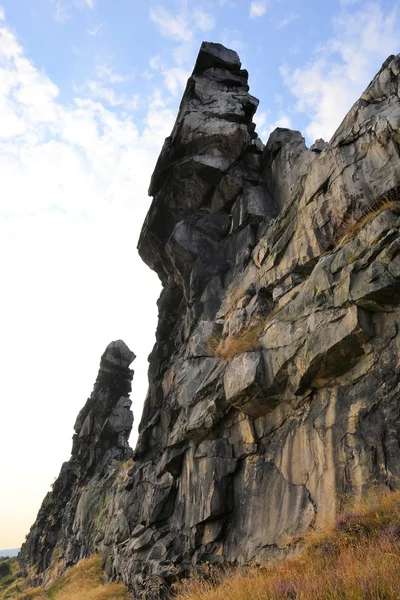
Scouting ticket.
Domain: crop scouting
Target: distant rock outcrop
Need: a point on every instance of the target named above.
(274, 386)
(73, 514)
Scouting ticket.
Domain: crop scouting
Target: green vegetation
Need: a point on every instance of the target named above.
(356, 559)
(9, 573)
(84, 581)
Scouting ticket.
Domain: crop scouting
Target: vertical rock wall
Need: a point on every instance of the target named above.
(274, 383)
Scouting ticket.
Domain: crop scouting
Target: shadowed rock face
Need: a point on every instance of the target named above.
(273, 385)
(67, 518)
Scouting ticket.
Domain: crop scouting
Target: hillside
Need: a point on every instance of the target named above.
(10, 552)
(82, 582)
(357, 559)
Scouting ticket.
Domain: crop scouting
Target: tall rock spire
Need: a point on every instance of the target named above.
(100, 442)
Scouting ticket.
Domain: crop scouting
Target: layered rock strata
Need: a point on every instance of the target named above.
(273, 385)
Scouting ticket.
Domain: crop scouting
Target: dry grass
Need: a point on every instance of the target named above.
(354, 224)
(357, 559)
(84, 581)
(229, 347)
(123, 470)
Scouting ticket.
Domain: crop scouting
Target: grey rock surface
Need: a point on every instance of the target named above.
(273, 385)
(71, 520)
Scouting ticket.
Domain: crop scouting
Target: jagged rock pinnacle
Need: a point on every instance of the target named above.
(100, 441)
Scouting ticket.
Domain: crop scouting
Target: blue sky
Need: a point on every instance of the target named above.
(90, 89)
(130, 48)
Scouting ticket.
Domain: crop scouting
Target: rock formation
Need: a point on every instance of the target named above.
(274, 385)
(73, 514)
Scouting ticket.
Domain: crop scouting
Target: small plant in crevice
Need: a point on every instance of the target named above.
(123, 471)
(247, 340)
(356, 222)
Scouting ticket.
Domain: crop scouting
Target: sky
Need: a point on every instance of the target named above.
(89, 90)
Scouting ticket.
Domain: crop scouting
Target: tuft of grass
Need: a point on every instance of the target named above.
(357, 558)
(84, 581)
(246, 341)
(123, 470)
(353, 224)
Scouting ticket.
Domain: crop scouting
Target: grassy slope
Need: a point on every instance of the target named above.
(82, 582)
(358, 559)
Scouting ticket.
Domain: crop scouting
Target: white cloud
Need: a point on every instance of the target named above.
(175, 27)
(103, 88)
(327, 87)
(74, 195)
(175, 78)
(108, 74)
(181, 26)
(258, 8)
(61, 12)
(204, 21)
(2, 15)
(101, 92)
(287, 19)
(266, 127)
(63, 8)
(95, 30)
(232, 38)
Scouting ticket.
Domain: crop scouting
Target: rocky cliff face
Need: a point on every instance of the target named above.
(274, 385)
(72, 517)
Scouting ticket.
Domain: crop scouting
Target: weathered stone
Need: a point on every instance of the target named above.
(290, 257)
(319, 145)
(244, 384)
(73, 515)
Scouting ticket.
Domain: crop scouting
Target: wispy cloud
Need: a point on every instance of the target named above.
(327, 87)
(63, 8)
(204, 21)
(172, 26)
(95, 30)
(232, 38)
(108, 74)
(182, 25)
(287, 19)
(265, 126)
(258, 8)
(61, 12)
(175, 78)
(107, 87)
(2, 14)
